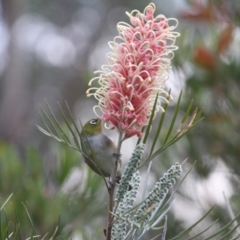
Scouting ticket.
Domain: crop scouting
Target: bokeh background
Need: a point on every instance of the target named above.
(50, 49)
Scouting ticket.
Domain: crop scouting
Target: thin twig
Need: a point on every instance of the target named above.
(111, 189)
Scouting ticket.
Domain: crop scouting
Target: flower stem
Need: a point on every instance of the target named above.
(111, 188)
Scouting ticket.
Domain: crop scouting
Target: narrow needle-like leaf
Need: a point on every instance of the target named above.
(192, 226)
(30, 219)
(174, 119)
(150, 120)
(71, 116)
(45, 116)
(69, 127)
(229, 233)
(62, 134)
(205, 230)
(222, 229)
(160, 124)
(187, 112)
(6, 202)
(54, 123)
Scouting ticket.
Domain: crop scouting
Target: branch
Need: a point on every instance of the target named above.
(111, 188)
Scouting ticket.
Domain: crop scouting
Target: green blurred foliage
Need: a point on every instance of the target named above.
(213, 82)
(50, 208)
(208, 58)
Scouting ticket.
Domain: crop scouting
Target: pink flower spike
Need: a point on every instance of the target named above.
(136, 71)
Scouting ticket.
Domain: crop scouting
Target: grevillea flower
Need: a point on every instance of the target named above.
(136, 71)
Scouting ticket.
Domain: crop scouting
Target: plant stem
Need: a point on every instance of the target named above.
(111, 189)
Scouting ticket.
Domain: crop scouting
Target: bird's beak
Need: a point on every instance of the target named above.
(99, 120)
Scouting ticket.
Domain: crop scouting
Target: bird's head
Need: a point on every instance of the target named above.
(92, 127)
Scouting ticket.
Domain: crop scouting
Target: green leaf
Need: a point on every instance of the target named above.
(173, 119)
(69, 127)
(150, 120)
(56, 131)
(184, 128)
(185, 232)
(228, 234)
(4, 204)
(188, 111)
(53, 123)
(199, 234)
(223, 229)
(74, 124)
(30, 219)
(156, 136)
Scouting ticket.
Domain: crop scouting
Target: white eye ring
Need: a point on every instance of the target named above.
(93, 121)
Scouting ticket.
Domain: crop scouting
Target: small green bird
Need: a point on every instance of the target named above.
(98, 149)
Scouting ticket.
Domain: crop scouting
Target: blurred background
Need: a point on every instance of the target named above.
(50, 49)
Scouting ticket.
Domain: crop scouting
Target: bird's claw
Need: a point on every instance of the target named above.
(117, 154)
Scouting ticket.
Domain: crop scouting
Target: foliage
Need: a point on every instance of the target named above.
(37, 206)
(207, 59)
(152, 210)
(211, 70)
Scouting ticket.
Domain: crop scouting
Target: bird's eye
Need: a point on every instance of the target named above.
(93, 121)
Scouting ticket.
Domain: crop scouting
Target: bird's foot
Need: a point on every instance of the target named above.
(118, 155)
(118, 178)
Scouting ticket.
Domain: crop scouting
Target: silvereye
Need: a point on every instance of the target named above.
(98, 149)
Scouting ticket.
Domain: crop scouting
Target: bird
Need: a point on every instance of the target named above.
(98, 150)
